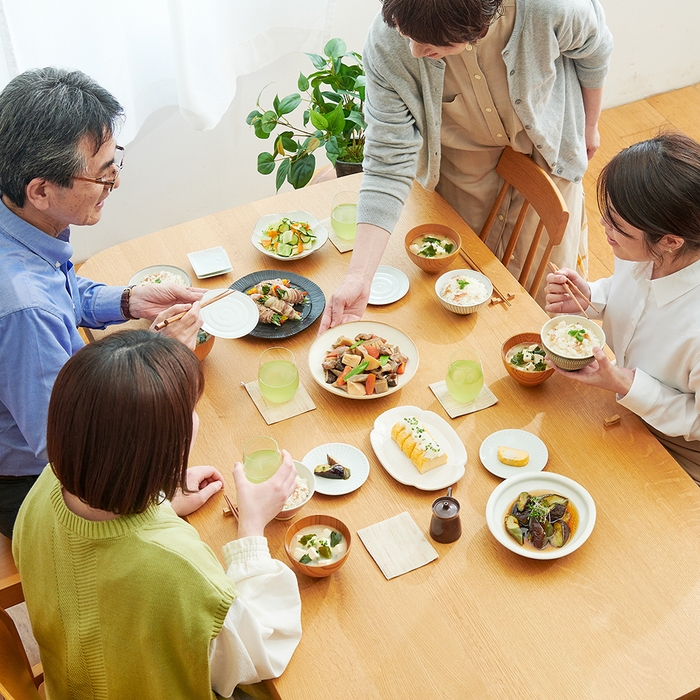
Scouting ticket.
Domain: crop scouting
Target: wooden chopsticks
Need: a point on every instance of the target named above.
(177, 317)
(474, 266)
(569, 288)
(232, 508)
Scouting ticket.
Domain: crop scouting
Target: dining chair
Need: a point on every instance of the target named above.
(17, 681)
(539, 191)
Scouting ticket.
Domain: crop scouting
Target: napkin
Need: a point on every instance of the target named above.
(397, 545)
(341, 244)
(301, 402)
(454, 408)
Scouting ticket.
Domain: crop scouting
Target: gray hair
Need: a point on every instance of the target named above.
(44, 114)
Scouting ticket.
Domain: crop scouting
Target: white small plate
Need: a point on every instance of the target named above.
(231, 317)
(520, 440)
(209, 262)
(141, 275)
(349, 457)
(262, 224)
(398, 465)
(388, 285)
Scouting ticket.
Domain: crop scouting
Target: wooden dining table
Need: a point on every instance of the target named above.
(617, 618)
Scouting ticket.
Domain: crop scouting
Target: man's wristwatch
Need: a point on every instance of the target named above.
(126, 300)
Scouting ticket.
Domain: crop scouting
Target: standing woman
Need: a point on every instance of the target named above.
(649, 195)
(124, 598)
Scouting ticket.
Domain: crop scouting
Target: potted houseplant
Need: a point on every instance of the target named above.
(332, 100)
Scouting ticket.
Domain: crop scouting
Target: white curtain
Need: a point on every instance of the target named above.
(154, 53)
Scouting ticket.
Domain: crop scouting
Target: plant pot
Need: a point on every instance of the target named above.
(343, 168)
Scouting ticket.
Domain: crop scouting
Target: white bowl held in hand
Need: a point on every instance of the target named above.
(570, 360)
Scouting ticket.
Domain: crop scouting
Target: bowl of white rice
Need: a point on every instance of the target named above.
(463, 291)
(160, 274)
(305, 487)
(569, 341)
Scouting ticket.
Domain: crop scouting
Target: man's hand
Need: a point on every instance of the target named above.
(203, 483)
(185, 330)
(149, 300)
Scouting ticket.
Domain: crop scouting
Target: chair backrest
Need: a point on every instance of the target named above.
(539, 191)
(16, 678)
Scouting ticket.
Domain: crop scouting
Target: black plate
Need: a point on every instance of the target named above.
(309, 312)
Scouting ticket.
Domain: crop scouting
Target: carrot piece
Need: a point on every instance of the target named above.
(369, 384)
(341, 379)
(300, 247)
(372, 351)
(401, 368)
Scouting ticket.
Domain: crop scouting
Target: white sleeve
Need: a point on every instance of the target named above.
(600, 290)
(263, 625)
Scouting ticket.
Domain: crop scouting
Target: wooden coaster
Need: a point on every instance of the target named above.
(275, 412)
(341, 244)
(454, 408)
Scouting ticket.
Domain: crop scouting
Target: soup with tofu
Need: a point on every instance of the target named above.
(432, 246)
(318, 545)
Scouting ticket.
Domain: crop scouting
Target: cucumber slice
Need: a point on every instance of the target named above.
(285, 250)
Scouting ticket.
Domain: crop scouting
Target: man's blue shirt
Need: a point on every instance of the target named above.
(42, 303)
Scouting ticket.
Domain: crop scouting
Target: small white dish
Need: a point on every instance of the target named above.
(463, 309)
(400, 467)
(388, 285)
(344, 454)
(141, 275)
(316, 228)
(540, 482)
(231, 317)
(209, 262)
(520, 440)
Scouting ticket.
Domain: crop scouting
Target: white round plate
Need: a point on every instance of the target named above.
(349, 457)
(231, 317)
(508, 491)
(323, 344)
(265, 221)
(141, 275)
(520, 440)
(388, 285)
(400, 466)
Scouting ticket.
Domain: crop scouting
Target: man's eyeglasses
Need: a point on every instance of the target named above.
(110, 179)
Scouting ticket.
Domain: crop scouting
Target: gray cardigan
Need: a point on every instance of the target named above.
(557, 47)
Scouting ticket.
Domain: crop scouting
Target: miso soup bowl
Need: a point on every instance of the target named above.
(522, 376)
(432, 265)
(317, 571)
(568, 362)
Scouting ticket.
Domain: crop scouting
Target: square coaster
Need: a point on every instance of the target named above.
(454, 408)
(275, 412)
(397, 545)
(341, 244)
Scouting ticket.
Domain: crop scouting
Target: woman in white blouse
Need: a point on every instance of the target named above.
(649, 196)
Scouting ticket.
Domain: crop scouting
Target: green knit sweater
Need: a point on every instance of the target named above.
(121, 609)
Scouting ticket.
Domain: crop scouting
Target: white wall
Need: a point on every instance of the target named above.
(173, 174)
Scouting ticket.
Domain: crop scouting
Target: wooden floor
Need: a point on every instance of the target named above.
(620, 127)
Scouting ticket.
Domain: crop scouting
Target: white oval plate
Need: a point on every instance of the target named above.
(323, 344)
(318, 231)
(141, 275)
(399, 466)
(349, 457)
(507, 491)
(520, 440)
(231, 317)
(388, 285)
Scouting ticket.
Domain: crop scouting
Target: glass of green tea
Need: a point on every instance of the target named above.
(278, 377)
(465, 377)
(344, 215)
(261, 458)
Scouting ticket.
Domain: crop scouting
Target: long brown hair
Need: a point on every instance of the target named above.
(120, 420)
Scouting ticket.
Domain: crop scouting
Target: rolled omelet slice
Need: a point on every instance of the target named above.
(512, 456)
(418, 444)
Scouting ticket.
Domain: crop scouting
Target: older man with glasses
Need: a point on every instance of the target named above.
(58, 164)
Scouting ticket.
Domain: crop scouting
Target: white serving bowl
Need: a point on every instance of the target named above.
(508, 491)
(563, 361)
(305, 473)
(138, 277)
(462, 308)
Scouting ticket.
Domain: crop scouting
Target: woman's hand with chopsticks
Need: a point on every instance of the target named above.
(561, 287)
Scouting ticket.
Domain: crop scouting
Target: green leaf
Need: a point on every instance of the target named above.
(318, 61)
(356, 118)
(266, 163)
(332, 149)
(255, 114)
(301, 171)
(282, 173)
(336, 538)
(259, 131)
(303, 82)
(336, 120)
(290, 145)
(318, 120)
(268, 121)
(276, 104)
(289, 104)
(306, 559)
(335, 48)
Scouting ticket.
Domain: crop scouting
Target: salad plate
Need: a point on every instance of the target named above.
(323, 343)
(344, 454)
(388, 285)
(151, 275)
(400, 467)
(520, 440)
(309, 312)
(319, 231)
(231, 317)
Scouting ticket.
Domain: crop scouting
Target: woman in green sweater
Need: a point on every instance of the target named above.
(109, 569)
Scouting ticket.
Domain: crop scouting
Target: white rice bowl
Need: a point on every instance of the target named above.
(463, 299)
(563, 349)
